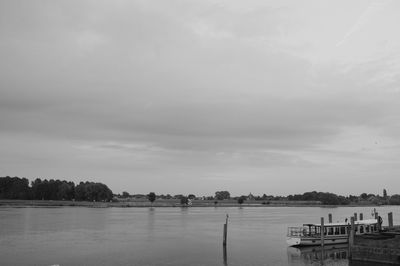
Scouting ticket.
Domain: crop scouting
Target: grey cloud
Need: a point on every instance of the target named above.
(274, 123)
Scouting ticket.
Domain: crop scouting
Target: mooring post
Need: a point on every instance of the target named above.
(351, 236)
(225, 233)
(390, 220)
(361, 216)
(322, 232)
(225, 230)
(355, 216)
(330, 218)
(352, 231)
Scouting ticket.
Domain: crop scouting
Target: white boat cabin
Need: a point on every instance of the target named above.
(334, 233)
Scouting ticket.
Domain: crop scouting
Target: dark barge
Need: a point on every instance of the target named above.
(380, 248)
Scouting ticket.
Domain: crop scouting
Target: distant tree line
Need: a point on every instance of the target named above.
(19, 188)
(14, 188)
(333, 199)
(323, 197)
(126, 195)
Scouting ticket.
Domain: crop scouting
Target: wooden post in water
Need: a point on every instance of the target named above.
(355, 216)
(225, 231)
(361, 216)
(351, 236)
(322, 232)
(330, 218)
(225, 235)
(390, 220)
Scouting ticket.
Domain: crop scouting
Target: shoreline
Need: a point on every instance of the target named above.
(161, 204)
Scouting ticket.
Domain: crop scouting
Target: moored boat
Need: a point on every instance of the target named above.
(334, 233)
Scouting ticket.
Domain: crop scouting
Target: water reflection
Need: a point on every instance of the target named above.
(316, 255)
(150, 224)
(225, 256)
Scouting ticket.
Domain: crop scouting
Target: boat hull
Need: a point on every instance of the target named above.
(315, 241)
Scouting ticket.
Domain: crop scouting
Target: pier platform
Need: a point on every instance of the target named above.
(383, 247)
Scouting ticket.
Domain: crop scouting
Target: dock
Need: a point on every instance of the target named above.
(382, 247)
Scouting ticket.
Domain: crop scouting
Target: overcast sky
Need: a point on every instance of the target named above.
(275, 97)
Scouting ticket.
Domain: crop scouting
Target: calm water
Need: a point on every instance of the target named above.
(164, 236)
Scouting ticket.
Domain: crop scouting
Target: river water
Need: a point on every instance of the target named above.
(165, 236)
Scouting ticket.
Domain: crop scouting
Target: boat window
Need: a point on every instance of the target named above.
(337, 231)
(361, 229)
(313, 230)
(367, 228)
(355, 228)
(375, 228)
(330, 231)
(343, 230)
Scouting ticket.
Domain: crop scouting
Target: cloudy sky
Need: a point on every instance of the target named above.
(275, 97)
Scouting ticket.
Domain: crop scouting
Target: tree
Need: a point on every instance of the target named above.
(151, 197)
(384, 194)
(80, 192)
(394, 199)
(191, 196)
(90, 191)
(41, 189)
(65, 190)
(184, 201)
(241, 200)
(264, 196)
(364, 196)
(221, 195)
(14, 188)
(125, 194)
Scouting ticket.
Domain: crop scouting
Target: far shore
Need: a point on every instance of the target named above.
(164, 203)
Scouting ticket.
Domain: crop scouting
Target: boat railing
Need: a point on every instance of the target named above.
(294, 231)
(302, 231)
